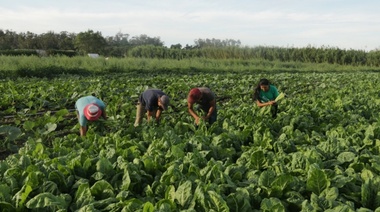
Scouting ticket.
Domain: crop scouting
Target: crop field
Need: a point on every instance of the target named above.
(321, 153)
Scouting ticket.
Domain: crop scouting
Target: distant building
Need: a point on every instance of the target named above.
(93, 55)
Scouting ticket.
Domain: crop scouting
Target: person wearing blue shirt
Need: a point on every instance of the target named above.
(89, 108)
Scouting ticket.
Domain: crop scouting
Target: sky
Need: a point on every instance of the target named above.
(344, 24)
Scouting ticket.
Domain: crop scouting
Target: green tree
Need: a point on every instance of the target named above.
(145, 40)
(90, 42)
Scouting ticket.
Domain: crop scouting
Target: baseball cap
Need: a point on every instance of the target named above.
(165, 101)
(92, 112)
(194, 95)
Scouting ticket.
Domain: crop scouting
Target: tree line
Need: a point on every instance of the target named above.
(143, 46)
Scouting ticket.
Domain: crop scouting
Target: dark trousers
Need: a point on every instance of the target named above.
(213, 116)
(273, 110)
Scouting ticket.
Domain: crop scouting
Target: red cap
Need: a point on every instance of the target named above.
(92, 112)
(194, 95)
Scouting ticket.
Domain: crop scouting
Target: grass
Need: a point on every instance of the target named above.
(32, 66)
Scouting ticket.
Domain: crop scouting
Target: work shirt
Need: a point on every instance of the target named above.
(81, 103)
(207, 97)
(149, 99)
(270, 95)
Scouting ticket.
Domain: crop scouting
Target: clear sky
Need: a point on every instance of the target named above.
(346, 24)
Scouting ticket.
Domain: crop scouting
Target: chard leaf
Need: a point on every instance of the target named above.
(6, 206)
(46, 200)
(148, 207)
(177, 151)
(170, 193)
(22, 195)
(184, 194)
(272, 204)
(104, 166)
(126, 180)
(83, 196)
(331, 193)
(266, 178)
(166, 205)
(102, 190)
(367, 174)
(258, 160)
(11, 133)
(346, 157)
(49, 127)
(279, 97)
(239, 201)
(87, 208)
(200, 196)
(342, 208)
(370, 193)
(281, 182)
(316, 180)
(217, 201)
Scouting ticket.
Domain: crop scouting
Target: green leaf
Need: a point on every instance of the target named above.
(282, 182)
(258, 160)
(177, 151)
(170, 192)
(272, 205)
(50, 127)
(148, 207)
(239, 201)
(126, 180)
(57, 177)
(331, 194)
(102, 190)
(317, 180)
(166, 205)
(104, 166)
(218, 202)
(370, 193)
(184, 194)
(44, 200)
(11, 133)
(22, 195)
(61, 113)
(29, 125)
(346, 157)
(266, 178)
(83, 196)
(6, 206)
(279, 97)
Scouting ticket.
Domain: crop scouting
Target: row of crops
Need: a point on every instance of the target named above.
(321, 153)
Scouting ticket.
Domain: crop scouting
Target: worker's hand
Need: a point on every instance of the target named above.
(197, 120)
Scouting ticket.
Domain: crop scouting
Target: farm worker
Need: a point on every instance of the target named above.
(153, 102)
(206, 100)
(89, 108)
(265, 95)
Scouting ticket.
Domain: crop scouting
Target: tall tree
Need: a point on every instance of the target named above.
(49, 40)
(145, 40)
(90, 42)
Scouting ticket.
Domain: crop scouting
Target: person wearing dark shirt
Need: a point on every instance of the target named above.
(206, 100)
(153, 102)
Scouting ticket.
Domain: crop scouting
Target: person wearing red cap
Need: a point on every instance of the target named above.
(153, 102)
(89, 108)
(207, 102)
